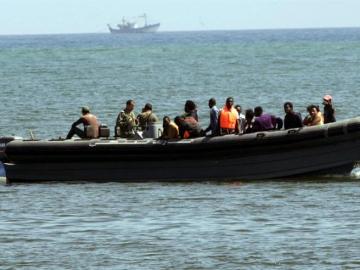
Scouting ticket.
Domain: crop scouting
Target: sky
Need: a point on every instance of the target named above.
(19, 17)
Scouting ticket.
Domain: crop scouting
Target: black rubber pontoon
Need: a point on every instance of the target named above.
(277, 154)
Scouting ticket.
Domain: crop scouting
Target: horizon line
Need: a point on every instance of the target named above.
(195, 30)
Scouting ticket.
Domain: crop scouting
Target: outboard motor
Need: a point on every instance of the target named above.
(2, 170)
(3, 142)
(153, 130)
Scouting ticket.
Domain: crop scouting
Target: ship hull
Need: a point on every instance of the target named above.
(146, 29)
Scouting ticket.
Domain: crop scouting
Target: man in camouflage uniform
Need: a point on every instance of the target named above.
(126, 122)
(147, 117)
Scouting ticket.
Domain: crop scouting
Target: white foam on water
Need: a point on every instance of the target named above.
(2, 180)
(355, 173)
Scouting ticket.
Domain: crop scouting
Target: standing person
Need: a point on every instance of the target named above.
(146, 117)
(214, 118)
(314, 118)
(171, 130)
(329, 111)
(90, 123)
(292, 119)
(126, 121)
(228, 118)
(241, 118)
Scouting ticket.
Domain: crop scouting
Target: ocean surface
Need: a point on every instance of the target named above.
(44, 81)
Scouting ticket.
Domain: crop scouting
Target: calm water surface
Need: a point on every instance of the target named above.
(262, 225)
(44, 80)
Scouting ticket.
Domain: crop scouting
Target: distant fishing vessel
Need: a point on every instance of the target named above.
(133, 27)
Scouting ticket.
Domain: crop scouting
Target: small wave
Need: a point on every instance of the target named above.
(2, 180)
(355, 173)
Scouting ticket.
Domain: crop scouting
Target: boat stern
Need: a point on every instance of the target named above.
(3, 142)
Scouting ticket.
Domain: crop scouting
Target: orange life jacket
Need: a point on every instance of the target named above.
(228, 118)
(186, 134)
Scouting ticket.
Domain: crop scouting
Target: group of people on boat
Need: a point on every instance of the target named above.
(228, 120)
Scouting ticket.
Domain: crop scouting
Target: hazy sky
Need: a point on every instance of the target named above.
(89, 16)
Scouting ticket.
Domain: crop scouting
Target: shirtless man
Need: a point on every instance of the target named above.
(90, 123)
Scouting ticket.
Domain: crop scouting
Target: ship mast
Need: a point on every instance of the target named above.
(145, 18)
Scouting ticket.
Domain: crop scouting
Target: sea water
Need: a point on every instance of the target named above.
(44, 81)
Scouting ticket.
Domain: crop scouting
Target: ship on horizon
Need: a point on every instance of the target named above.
(126, 27)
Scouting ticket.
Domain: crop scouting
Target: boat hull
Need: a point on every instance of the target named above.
(332, 148)
(281, 165)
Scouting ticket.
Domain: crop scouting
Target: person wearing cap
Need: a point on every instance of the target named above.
(147, 117)
(228, 118)
(329, 111)
(90, 123)
(126, 121)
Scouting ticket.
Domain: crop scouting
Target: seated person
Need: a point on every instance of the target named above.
(90, 124)
(188, 127)
(146, 117)
(264, 121)
(126, 121)
(170, 129)
(190, 110)
(279, 123)
(314, 118)
(329, 110)
(292, 119)
(249, 121)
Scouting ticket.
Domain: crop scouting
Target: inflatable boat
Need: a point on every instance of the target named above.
(330, 148)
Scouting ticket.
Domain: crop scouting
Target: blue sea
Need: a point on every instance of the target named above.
(46, 79)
